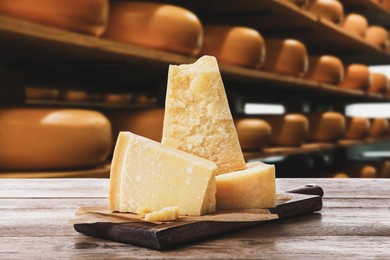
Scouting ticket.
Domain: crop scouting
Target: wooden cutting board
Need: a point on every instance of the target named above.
(306, 199)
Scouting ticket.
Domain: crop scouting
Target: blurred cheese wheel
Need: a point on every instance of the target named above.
(326, 127)
(377, 36)
(286, 56)
(357, 128)
(288, 130)
(145, 122)
(117, 98)
(331, 10)
(357, 76)
(41, 93)
(340, 175)
(36, 139)
(385, 170)
(379, 83)
(367, 171)
(325, 69)
(355, 24)
(254, 134)
(156, 26)
(379, 128)
(386, 4)
(234, 45)
(79, 96)
(83, 16)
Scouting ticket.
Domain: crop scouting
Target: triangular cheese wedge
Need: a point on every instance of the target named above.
(197, 115)
(148, 175)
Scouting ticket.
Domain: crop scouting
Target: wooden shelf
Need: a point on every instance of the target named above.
(373, 11)
(56, 58)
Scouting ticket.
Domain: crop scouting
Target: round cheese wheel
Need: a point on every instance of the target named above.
(234, 45)
(288, 130)
(117, 98)
(144, 122)
(326, 127)
(79, 96)
(379, 128)
(325, 69)
(41, 93)
(357, 128)
(385, 169)
(85, 16)
(286, 56)
(379, 83)
(254, 134)
(156, 26)
(377, 36)
(340, 175)
(357, 76)
(39, 139)
(331, 10)
(367, 171)
(355, 24)
(386, 4)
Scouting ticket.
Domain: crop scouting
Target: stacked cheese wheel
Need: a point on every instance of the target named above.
(55, 139)
(86, 16)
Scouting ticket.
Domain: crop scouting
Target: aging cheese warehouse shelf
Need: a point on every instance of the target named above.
(54, 58)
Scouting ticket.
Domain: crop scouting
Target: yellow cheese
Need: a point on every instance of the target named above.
(147, 174)
(253, 187)
(165, 214)
(38, 139)
(197, 116)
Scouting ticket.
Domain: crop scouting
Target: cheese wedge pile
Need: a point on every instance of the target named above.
(199, 166)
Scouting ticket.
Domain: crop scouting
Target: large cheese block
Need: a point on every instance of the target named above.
(253, 187)
(355, 24)
(357, 76)
(157, 26)
(288, 130)
(197, 116)
(286, 56)
(148, 176)
(38, 139)
(377, 36)
(331, 10)
(146, 122)
(326, 127)
(254, 134)
(357, 128)
(234, 45)
(379, 83)
(326, 69)
(83, 16)
(379, 128)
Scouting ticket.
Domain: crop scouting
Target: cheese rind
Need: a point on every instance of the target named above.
(147, 174)
(197, 116)
(253, 187)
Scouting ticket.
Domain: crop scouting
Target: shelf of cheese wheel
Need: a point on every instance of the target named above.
(87, 16)
(199, 166)
(52, 139)
(377, 11)
(240, 46)
(156, 26)
(286, 56)
(331, 10)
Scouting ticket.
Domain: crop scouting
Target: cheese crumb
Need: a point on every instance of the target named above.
(165, 214)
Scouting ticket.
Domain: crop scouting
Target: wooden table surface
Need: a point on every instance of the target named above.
(354, 223)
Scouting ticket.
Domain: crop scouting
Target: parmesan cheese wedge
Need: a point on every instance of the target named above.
(253, 187)
(197, 116)
(148, 175)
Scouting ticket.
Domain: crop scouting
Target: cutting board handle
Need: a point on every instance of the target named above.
(310, 189)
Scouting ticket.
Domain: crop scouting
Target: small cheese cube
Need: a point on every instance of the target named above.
(253, 187)
(148, 175)
(197, 116)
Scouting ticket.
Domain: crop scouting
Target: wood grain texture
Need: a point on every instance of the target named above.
(354, 223)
